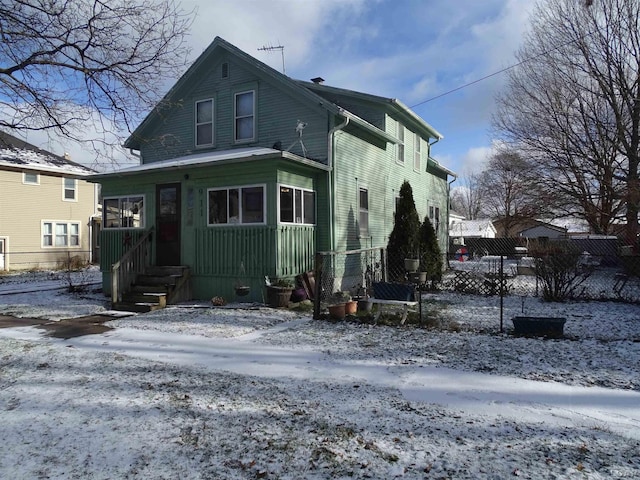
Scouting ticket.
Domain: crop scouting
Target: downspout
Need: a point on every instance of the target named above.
(330, 180)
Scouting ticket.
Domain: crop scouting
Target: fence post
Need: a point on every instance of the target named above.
(501, 293)
(317, 275)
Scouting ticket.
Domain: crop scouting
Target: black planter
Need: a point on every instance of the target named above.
(549, 327)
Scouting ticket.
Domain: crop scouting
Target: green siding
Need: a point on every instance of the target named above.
(277, 114)
(360, 164)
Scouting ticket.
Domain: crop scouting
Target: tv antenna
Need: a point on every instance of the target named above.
(272, 48)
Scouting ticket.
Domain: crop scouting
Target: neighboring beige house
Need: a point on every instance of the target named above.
(46, 209)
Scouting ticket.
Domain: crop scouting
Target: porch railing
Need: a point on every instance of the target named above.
(132, 262)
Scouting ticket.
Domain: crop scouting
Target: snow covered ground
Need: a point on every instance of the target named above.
(246, 392)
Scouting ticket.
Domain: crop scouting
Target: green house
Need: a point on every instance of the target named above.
(246, 173)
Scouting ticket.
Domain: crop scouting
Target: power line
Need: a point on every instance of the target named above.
(526, 60)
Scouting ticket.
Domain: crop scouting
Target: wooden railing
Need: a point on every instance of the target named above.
(133, 262)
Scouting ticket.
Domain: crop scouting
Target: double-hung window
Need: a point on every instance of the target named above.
(434, 216)
(297, 205)
(244, 116)
(363, 211)
(400, 157)
(417, 159)
(236, 205)
(70, 189)
(123, 212)
(204, 123)
(60, 234)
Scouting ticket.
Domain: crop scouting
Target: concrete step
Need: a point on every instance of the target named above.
(159, 299)
(139, 307)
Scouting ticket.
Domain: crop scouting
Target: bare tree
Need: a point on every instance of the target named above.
(573, 106)
(466, 198)
(70, 63)
(508, 190)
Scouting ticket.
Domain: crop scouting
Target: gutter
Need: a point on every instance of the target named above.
(331, 178)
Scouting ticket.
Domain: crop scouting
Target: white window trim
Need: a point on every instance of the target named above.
(24, 178)
(196, 124)
(400, 150)
(417, 156)
(362, 234)
(119, 197)
(239, 187)
(236, 117)
(68, 223)
(315, 206)
(75, 190)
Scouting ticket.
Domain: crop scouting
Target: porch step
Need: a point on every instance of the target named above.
(153, 289)
(136, 307)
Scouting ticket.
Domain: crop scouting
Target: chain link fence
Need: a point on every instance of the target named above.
(554, 270)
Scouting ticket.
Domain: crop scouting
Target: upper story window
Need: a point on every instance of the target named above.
(70, 189)
(297, 205)
(417, 159)
(30, 178)
(244, 112)
(237, 205)
(400, 157)
(60, 234)
(363, 209)
(123, 212)
(204, 123)
(434, 216)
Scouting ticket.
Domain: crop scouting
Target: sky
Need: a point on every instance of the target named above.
(412, 50)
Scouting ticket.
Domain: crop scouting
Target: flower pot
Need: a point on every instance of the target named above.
(278, 297)
(337, 312)
(351, 307)
(411, 264)
(242, 291)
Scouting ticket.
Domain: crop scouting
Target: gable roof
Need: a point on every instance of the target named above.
(18, 155)
(389, 105)
(297, 87)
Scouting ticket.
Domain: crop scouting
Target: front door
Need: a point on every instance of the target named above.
(168, 224)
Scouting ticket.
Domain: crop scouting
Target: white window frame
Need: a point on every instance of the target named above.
(236, 117)
(400, 146)
(197, 124)
(122, 199)
(302, 207)
(239, 222)
(64, 189)
(363, 232)
(26, 182)
(53, 233)
(417, 159)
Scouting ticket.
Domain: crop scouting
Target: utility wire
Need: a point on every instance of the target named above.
(526, 60)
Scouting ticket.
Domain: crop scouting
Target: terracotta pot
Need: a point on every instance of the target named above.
(337, 312)
(350, 308)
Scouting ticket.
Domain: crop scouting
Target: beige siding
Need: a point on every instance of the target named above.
(23, 209)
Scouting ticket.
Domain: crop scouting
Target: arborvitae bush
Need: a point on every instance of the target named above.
(430, 253)
(404, 241)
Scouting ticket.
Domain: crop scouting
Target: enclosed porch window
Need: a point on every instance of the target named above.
(123, 212)
(297, 205)
(236, 205)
